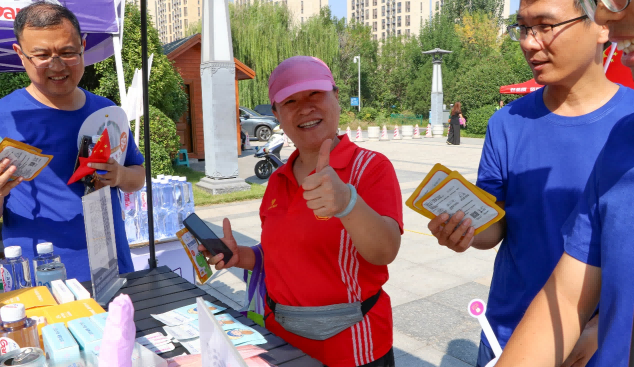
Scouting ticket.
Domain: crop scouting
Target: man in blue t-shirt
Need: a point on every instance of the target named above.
(48, 114)
(598, 265)
(537, 157)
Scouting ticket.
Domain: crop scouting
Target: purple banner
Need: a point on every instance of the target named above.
(97, 19)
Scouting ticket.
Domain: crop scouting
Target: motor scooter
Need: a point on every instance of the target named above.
(271, 154)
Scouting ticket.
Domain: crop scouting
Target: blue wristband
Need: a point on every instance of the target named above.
(351, 203)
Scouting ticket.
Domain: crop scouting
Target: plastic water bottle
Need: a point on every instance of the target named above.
(157, 200)
(130, 208)
(15, 270)
(47, 266)
(190, 202)
(142, 216)
(184, 198)
(168, 211)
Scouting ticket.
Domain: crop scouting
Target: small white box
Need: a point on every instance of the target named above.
(77, 289)
(61, 292)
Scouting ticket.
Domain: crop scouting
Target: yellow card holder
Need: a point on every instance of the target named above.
(8, 142)
(480, 194)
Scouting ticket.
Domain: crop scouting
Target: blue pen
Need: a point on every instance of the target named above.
(101, 172)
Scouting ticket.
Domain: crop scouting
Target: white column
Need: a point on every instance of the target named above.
(217, 73)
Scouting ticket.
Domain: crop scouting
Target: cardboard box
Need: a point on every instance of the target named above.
(30, 297)
(59, 344)
(87, 334)
(68, 311)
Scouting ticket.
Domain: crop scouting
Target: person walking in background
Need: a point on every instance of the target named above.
(453, 137)
(500, 106)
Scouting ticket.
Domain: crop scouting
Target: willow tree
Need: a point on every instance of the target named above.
(264, 35)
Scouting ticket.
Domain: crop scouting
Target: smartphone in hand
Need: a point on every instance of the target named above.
(207, 237)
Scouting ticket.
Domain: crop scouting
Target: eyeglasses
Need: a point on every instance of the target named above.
(540, 32)
(590, 6)
(45, 61)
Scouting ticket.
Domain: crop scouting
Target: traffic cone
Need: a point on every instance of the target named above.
(416, 132)
(397, 134)
(359, 135)
(286, 144)
(428, 133)
(247, 142)
(384, 134)
(349, 133)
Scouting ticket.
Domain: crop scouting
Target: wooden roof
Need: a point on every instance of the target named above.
(178, 47)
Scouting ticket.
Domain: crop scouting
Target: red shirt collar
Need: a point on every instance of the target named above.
(340, 158)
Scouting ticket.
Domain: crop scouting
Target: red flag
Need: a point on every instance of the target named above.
(617, 72)
(100, 154)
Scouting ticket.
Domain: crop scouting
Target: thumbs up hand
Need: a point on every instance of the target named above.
(324, 191)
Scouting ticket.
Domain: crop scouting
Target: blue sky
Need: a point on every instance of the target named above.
(338, 7)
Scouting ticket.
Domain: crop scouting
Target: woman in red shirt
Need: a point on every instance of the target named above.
(332, 220)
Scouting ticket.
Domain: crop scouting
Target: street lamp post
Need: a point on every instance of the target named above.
(357, 60)
(437, 92)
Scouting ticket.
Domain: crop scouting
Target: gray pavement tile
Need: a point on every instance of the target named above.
(421, 249)
(428, 357)
(441, 327)
(459, 297)
(399, 296)
(423, 281)
(464, 265)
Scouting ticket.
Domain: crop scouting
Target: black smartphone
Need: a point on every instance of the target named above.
(207, 237)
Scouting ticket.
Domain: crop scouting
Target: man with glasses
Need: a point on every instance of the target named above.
(537, 157)
(48, 114)
(598, 265)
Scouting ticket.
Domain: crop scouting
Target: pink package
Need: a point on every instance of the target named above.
(119, 334)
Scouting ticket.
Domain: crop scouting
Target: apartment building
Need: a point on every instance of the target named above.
(301, 10)
(172, 17)
(397, 17)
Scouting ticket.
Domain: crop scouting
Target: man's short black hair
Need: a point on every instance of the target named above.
(43, 15)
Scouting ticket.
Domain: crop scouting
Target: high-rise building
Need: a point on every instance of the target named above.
(172, 17)
(397, 17)
(301, 10)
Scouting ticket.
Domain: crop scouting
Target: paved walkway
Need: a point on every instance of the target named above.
(430, 286)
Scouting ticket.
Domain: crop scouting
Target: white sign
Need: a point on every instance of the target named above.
(100, 239)
(216, 348)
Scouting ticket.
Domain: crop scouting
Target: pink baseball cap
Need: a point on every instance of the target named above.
(298, 74)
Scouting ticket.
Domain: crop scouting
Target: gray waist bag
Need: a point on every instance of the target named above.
(323, 322)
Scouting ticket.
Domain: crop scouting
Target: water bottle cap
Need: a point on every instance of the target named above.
(158, 177)
(12, 252)
(165, 181)
(44, 248)
(182, 179)
(12, 313)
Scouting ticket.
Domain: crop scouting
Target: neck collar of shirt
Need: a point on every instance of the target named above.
(340, 158)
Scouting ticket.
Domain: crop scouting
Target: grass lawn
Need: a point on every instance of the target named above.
(202, 198)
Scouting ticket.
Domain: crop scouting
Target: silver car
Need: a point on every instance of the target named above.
(256, 125)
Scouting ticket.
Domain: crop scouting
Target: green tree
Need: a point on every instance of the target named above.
(479, 34)
(478, 83)
(166, 85)
(12, 81)
(264, 35)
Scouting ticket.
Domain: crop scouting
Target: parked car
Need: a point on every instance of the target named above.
(264, 109)
(257, 125)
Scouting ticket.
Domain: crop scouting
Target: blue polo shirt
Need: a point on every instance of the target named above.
(46, 209)
(538, 163)
(599, 234)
